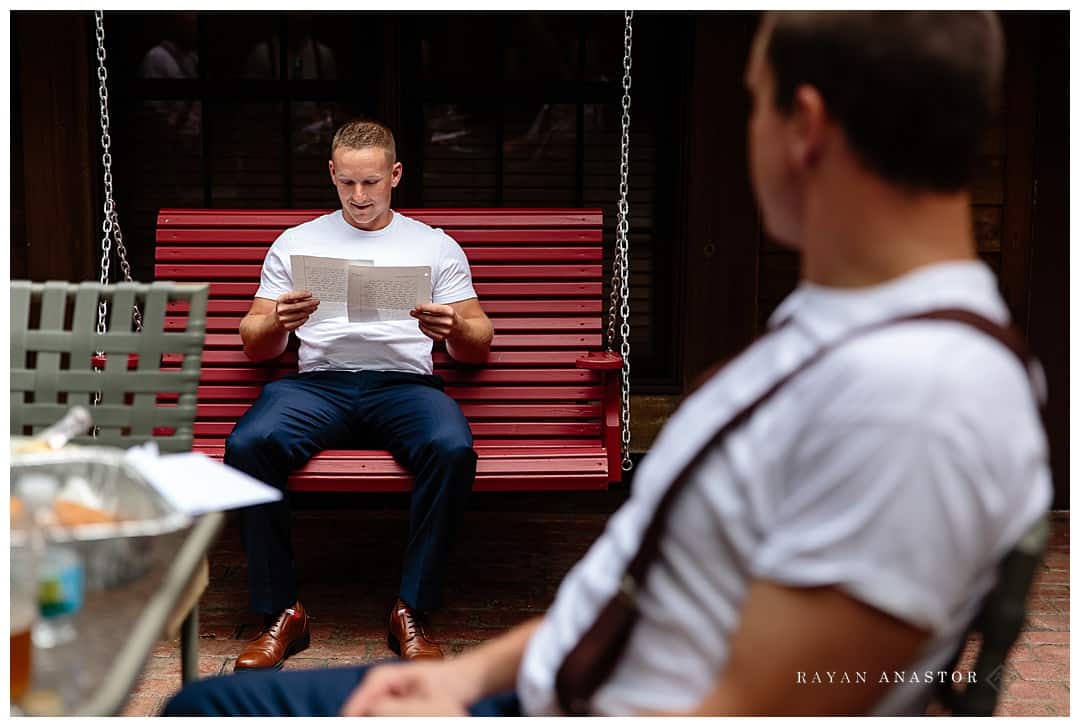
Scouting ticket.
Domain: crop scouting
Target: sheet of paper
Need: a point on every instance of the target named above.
(196, 484)
(387, 293)
(326, 277)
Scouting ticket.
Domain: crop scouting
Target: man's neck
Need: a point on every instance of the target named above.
(869, 232)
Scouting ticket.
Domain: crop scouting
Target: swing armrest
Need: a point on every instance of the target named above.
(608, 361)
(600, 361)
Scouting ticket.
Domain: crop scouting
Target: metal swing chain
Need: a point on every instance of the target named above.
(620, 282)
(616, 262)
(110, 225)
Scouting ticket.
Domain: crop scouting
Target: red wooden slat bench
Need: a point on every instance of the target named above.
(544, 409)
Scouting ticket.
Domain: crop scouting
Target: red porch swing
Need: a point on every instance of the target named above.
(548, 409)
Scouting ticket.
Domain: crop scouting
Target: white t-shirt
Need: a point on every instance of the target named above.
(900, 468)
(328, 341)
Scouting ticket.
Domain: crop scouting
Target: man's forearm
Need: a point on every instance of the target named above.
(472, 342)
(493, 666)
(262, 336)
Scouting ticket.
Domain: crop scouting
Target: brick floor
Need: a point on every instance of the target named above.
(510, 557)
(1037, 681)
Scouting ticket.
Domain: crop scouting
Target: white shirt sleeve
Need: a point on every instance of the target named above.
(276, 276)
(453, 278)
(914, 478)
(892, 511)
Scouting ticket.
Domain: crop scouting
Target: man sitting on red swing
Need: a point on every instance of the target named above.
(367, 385)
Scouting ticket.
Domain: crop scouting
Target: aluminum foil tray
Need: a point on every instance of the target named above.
(113, 553)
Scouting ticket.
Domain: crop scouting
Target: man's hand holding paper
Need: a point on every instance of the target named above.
(292, 309)
(437, 322)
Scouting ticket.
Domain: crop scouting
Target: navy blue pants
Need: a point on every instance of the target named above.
(308, 693)
(298, 416)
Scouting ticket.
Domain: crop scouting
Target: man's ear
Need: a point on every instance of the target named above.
(395, 174)
(808, 127)
(333, 178)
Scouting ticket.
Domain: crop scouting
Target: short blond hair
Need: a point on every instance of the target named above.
(365, 134)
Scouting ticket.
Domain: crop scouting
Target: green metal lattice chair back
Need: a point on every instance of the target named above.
(998, 623)
(148, 379)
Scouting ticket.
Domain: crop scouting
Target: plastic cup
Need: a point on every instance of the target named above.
(24, 607)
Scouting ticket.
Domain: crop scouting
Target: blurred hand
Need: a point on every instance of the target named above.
(426, 703)
(417, 687)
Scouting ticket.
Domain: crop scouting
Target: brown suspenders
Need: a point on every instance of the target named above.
(592, 660)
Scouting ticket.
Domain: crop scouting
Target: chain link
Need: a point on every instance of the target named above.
(621, 266)
(613, 306)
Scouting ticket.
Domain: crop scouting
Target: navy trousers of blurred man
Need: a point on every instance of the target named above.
(300, 415)
(307, 693)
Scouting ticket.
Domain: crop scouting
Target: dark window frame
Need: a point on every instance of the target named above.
(659, 373)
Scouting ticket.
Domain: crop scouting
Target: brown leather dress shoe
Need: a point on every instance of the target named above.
(289, 633)
(408, 638)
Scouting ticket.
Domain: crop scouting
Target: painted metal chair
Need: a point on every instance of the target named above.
(998, 623)
(140, 385)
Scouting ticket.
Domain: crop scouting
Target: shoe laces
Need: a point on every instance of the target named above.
(412, 625)
(274, 627)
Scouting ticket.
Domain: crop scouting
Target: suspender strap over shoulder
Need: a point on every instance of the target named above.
(589, 664)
